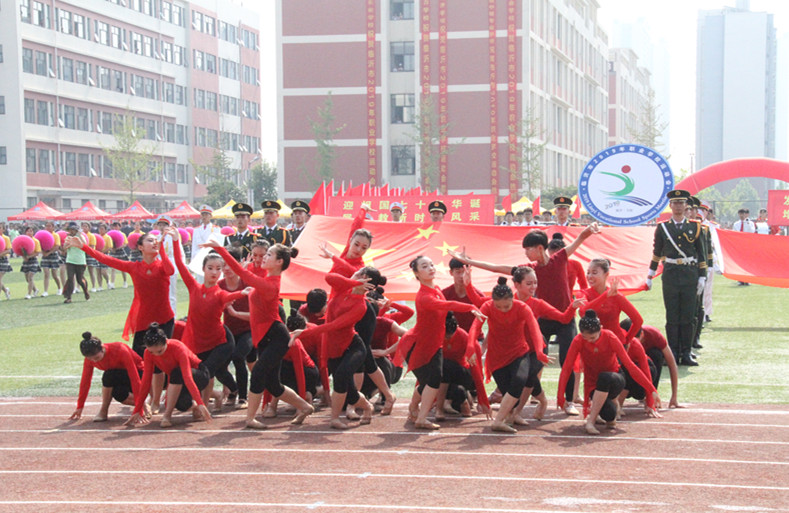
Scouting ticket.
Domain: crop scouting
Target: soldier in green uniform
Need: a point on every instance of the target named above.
(437, 211)
(562, 206)
(299, 217)
(707, 238)
(244, 238)
(679, 243)
(271, 231)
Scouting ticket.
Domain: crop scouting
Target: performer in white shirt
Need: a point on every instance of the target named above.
(201, 233)
(744, 224)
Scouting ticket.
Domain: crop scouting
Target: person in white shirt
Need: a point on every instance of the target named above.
(162, 224)
(509, 219)
(396, 209)
(761, 223)
(201, 233)
(744, 224)
(528, 218)
(562, 209)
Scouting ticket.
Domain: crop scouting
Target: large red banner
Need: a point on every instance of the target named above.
(493, 100)
(513, 119)
(738, 260)
(778, 208)
(443, 97)
(372, 132)
(471, 208)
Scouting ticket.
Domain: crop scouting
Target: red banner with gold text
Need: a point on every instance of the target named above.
(493, 100)
(513, 118)
(470, 208)
(443, 97)
(778, 208)
(372, 132)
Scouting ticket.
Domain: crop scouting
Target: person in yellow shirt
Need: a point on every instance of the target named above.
(5, 267)
(50, 261)
(30, 266)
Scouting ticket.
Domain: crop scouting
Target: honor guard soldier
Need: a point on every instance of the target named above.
(437, 211)
(396, 209)
(707, 238)
(679, 243)
(299, 217)
(243, 238)
(562, 206)
(201, 233)
(271, 231)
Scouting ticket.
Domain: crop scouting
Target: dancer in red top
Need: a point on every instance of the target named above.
(507, 355)
(658, 352)
(608, 303)
(425, 339)
(205, 335)
(182, 367)
(599, 350)
(342, 348)
(575, 269)
(269, 334)
(121, 379)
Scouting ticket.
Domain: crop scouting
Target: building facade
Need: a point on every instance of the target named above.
(735, 85)
(628, 94)
(187, 73)
(490, 68)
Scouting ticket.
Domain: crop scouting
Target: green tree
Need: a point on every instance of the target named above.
(324, 132)
(427, 134)
(531, 144)
(133, 162)
(220, 180)
(726, 206)
(263, 181)
(649, 127)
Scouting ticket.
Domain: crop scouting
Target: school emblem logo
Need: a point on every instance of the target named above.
(625, 185)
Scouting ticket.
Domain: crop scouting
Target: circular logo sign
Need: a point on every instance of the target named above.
(625, 185)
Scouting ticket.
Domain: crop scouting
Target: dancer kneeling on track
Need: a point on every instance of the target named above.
(187, 376)
(598, 350)
(121, 379)
(269, 334)
(657, 350)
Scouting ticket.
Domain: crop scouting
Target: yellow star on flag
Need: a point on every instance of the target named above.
(406, 275)
(442, 268)
(368, 256)
(426, 232)
(445, 248)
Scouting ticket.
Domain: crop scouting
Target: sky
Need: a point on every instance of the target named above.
(670, 22)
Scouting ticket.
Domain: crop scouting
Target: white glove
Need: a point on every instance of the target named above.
(648, 284)
(700, 287)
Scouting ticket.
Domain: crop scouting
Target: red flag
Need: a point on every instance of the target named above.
(738, 261)
(535, 207)
(506, 203)
(318, 201)
(577, 210)
(342, 189)
(384, 191)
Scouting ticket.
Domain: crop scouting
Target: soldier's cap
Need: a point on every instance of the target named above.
(694, 202)
(270, 205)
(164, 219)
(300, 205)
(242, 208)
(704, 206)
(678, 195)
(206, 208)
(562, 201)
(396, 205)
(437, 206)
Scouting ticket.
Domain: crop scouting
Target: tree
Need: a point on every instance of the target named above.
(133, 163)
(324, 131)
(220, 180)
(263, 181)
(649, 127)
(427, 134)
(531, 144)
(743, 195)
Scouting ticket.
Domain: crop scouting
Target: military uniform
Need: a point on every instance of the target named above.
(246, 239)
(276, 235)
(700, 313)
(681, 248)
(297, 206)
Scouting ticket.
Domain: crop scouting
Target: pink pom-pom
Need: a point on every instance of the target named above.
(46, 239)
(191, 232)
(185, 235)
(227, 230)
(62, 234)
(132, 240)
(117, 238)
(155, 233)
(23, 242)
(99, 243)
(2, 244)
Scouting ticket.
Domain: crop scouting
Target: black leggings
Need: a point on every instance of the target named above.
(613, 383)
(635, 390)
(242, 354)
(430, 374)
(656, 357)
(288, 376)
(565, 333)
(460, 381)
(342, 370)
(533, 382)
(138, 344)
(366, 328)
(200, 377)
(391, 373)
(271, 350)
(118, 381)
(216, 359)
(511, 378)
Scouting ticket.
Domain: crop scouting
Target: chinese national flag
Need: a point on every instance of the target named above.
(535, 207)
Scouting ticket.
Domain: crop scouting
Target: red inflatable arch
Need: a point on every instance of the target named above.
(735, 168)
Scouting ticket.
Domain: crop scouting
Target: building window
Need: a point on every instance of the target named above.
(30, 109)
(24, 11)
(79, 27)
(66, 203)
(69, 117)
(27, 60)
(67, 69)
(42, 15)
(43, 114)
(81, 73)
(83, 164)
(181, 173)
(401, 9)
(402, 108)
(403, 160)
(402, 56)
(44, 162)
(2, 108)
(41, 63)
(83, 122)
(30, 160)
(3, 156)
(69, 160)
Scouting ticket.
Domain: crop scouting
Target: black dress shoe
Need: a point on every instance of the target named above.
(696, 345)
(688, 362)
(707, 318)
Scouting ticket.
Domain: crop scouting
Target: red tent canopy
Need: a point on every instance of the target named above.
(87, 212)
(135, 212)
(183, 211)
(40, 212)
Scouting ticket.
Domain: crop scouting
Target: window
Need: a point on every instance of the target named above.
(150, 130)
(147, 46)
(181, 173)
(27, 60)
(69, 160)
(41, 63)
(197, 59)
(115, 37)
(402, 56)
(30, 109)
(80, 29)
(3, 156)
(403, 160)
(169, 172)
(178, 15)
(66, 203)
(167, 51)
(197, 20)
(168, 92)
(30, 160)
(210, 100)
(103, 75)
(106, 123)
(180, 95)
(81, 72)
(402, 108)
(67, 69)
(249, 39)
(24, 11)
(83, 164)
(68, 117)
(1, 54)
(2, 107)
(180, 133)
(136, 43)
(41, 15)
(44, 114)
(45, 162)
(169, 132)
(83, 120)
(167, 11)
(209, 25)
(119, 81)
(106, 167)
(210, 63)
(150, 89)
(402, 10)
(102, 33)
(199, 99)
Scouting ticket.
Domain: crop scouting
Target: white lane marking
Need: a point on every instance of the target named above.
(465, 477)
(411, 452)
(581, 501)
(741, 508)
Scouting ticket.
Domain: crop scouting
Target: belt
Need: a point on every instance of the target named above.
(682, 261)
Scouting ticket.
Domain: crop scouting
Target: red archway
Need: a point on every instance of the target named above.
(735, 168)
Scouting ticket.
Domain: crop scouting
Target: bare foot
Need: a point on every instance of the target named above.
(517, 420)
(166, 422)
(465, 409)
(255, 424)
(146, 410)
(388, 405)
(590, 429)
(367, 414)
(269, 412)
(440, 416)
(412, 414)
(350, 413)
(303, 414)
(539, 412)
(338, 424)
(501, 427)
(100, 417)
(611, 424)
(425, 424)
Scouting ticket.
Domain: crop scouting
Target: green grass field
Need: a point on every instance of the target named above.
(745, 357)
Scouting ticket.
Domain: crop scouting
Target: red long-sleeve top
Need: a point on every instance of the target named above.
(151, 301)
(600, 356)
(204, 329)
(312, 342)
(555, 287)
(311, 317)
(300, 359)
(263, 300)
(653, 338)
(608, 309)
(176, 355)
(428, 333)
(400, 315)
(343, 312)
(117, 355)
(383, 328)
(636, 353)
(459, 348)
(465, 319)
(343, 265)
(233, 323)
(576, 275)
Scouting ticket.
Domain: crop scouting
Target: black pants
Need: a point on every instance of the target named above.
(241, 354)
(679, 299)
(271, 350)
(343, 368)
(511, 378)
(366, 328)
(565, 333)
(73, 270)
(118, 381)
(430, 374)
(216, 359)
(612, 383)
(460, 381)
(288, 376)
(656, 356)
(533, 381)
(391, 374)
(200, 377)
